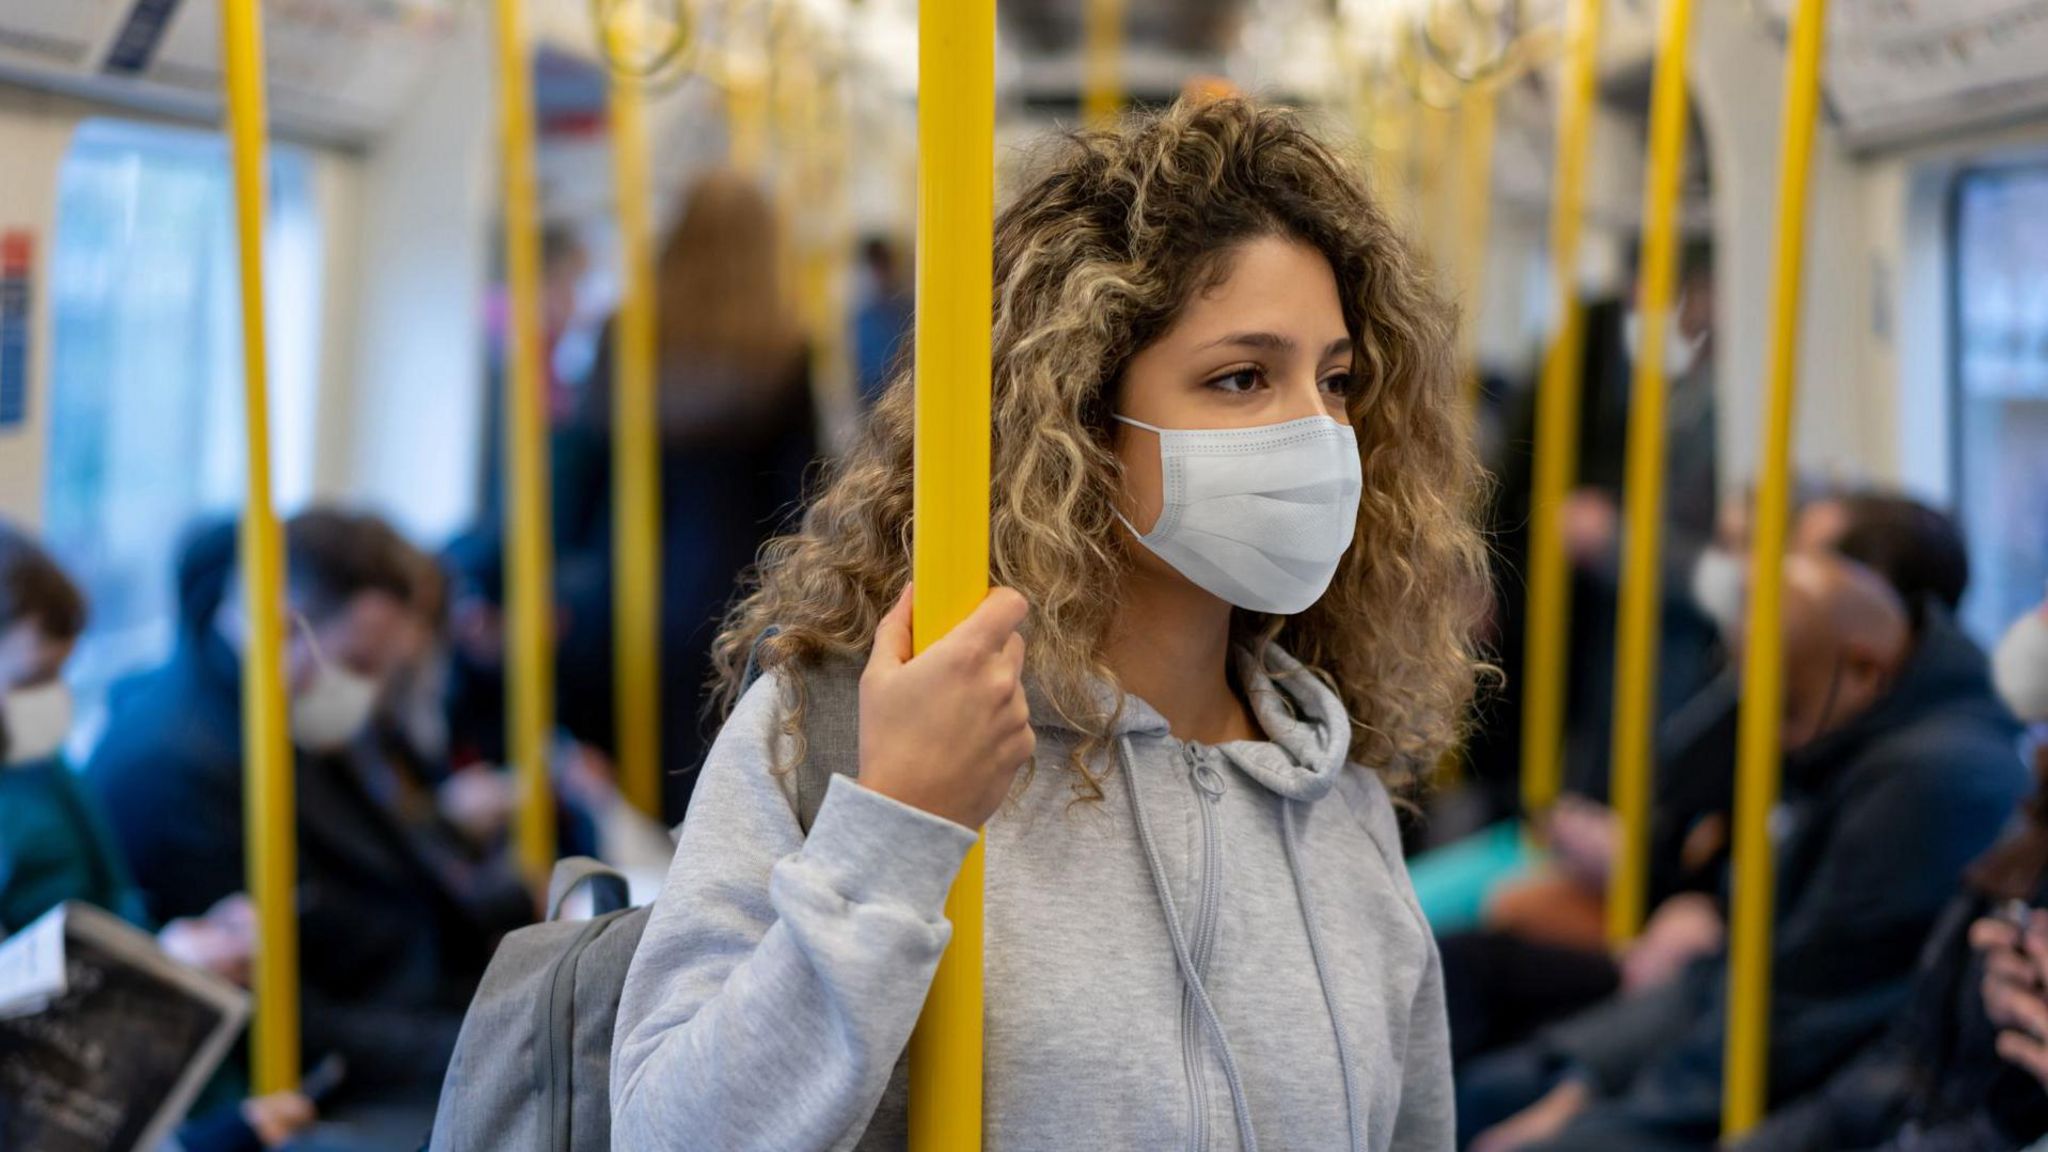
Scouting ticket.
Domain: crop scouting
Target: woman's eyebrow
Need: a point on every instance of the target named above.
(1264, 341)
(1275, 342)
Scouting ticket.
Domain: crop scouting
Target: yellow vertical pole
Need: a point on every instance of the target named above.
(1392, 138)
(955, 292)
(529, 583)
(636, 463)
(1433, 217)
(1476, 133)
(747, 104)
(1758, 752)
(1557, 425)
(1103, 94)
(1635, 657)
(270, 804)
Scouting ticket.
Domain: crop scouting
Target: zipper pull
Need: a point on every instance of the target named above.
(1204, 774)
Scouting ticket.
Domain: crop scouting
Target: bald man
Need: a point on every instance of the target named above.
(1900, 766)
(1848, 634)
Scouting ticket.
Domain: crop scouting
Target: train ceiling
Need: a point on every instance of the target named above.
(1899, 71)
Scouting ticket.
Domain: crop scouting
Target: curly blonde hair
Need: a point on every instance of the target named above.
(1093, 261)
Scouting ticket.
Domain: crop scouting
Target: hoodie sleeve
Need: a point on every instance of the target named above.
(1427, 1121)
(1428, 1118)
(779, 978)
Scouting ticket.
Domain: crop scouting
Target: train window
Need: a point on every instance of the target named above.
(2001, 388)
(146, 366)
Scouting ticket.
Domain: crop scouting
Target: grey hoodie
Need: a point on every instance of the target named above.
(1281, 993)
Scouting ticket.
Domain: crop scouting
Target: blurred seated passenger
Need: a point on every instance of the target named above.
(1961, 1070)
(454, 821)
(1900, 767)
(738, 432)
(384, 983)
(479, 795)
(54, 845)
(1542, 954)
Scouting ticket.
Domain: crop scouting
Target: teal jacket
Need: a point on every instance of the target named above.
(55, 846)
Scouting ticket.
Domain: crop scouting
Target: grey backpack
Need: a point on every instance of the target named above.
(532, 1066)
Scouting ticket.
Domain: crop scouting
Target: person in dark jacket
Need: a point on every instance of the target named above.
(738, 432)
(54, 843)
(385, 970)
(1900, 768)
(1508, 979)
(1962, 1069)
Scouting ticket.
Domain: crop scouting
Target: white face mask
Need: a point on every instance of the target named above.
(1718, 585)
(1259, 517)
(335, 707)
(2020, 667)
(36, 721)
(1681, 352)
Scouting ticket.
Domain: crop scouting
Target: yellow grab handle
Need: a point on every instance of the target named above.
(1557, 427)
(636, 463)
(270, 803)
(1758, 748)
(529, 583)
(955, 292)
(1642, 593)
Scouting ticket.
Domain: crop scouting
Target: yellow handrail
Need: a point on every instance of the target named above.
(1635, 657)
(529, 586)
(636, 462)
(270, 804)
(1759, 756)
(1557, 426)
(955, 291)
(1103, 94)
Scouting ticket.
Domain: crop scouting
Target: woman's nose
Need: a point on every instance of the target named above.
(1301, 398)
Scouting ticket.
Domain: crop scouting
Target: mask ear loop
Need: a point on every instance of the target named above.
(305, 628)
(1118, 512)
(1827, 708)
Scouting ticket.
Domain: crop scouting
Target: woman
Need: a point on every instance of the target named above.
(738, 430)
(1233, 487)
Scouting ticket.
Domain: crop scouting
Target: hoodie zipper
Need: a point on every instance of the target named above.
(1207, 783)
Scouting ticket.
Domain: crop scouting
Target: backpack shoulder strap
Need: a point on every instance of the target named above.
(831, 728)
(831, 724)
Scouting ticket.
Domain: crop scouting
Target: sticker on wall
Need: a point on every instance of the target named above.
(17, 290)
(135, 46)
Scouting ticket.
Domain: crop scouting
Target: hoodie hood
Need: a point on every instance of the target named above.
(1308, 733)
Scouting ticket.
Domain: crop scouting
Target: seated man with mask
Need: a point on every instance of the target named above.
(1900, 767)
(378, 928)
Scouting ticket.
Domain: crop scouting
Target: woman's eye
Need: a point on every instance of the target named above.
(1242, 380)
(1339, 383)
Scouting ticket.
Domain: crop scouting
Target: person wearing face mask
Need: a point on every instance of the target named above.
(1591, 521)
(389, 952)
(1233, 512)
(54, 843)
(1959, 1069)
(1540, 952)
(1899, 769)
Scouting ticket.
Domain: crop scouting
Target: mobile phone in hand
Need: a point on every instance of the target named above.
(326, 1077)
